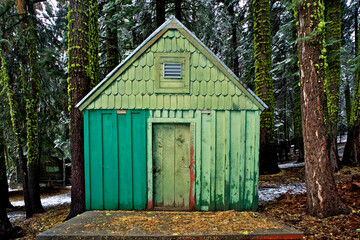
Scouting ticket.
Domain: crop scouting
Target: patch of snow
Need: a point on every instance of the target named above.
(46, 202)
(49, 201)
(15, 215)
(291, 165)
(342, 138)
(269, 194)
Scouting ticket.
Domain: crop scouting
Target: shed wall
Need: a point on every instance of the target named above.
(115, 160)
(226, 156)
(118, 158)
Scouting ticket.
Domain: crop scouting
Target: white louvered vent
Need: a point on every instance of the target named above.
(172, 70)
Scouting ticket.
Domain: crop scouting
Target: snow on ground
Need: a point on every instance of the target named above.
(269, 194)
(46, 202)
(291, 165)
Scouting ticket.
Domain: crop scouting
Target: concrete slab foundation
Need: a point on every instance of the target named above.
(168, 225)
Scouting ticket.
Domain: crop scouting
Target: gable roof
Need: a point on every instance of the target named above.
(171, 23)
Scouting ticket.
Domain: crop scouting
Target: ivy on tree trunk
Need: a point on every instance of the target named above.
(78, 87)
(323, 199)
(32, 105)
(264, 85)
(332, 80)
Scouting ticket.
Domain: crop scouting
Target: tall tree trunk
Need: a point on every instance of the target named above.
(32, 125)
(352, 147)
(160, 12)
(323, 199)
(178, 10)
(19, 144)
(264, 85)
(332, 80)
(78, 87)
(4, 188)
(112, 51)
(234, 56)
(93, 44)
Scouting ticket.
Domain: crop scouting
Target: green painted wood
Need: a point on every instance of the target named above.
(205, 161)
(125, 161)
(168, 166)
(235, 154)
(87, 160)
(256, 159)
(227, 134)
(110, 156)
(198, 175)
(96, 161)
(182, 164)
(243, 156)
(213, 137)
(139, 159)
(220, 161)
(249, 168)
(158, 147)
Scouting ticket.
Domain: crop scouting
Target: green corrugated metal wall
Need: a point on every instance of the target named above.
(226, 156)
(115, 159)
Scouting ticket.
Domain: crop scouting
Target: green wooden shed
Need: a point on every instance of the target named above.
(171, 127)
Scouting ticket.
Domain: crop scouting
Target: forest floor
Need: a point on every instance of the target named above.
(288, 208)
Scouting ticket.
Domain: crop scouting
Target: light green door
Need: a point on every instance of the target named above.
(171, 154)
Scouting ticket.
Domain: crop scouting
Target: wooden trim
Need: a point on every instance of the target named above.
(171, 120)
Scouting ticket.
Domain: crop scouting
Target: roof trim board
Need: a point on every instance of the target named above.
(171, 23)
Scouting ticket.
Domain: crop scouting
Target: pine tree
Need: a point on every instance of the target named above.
(323, 199)
(264, 85)
(352, 147)
(332, 80)
(78, 87)
(32, 105)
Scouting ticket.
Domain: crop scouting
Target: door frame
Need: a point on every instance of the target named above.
(150, 179)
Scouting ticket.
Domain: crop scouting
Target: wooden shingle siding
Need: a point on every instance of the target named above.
(209, 87)
(226, 157)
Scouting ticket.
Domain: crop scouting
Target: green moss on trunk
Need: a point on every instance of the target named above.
(264, 84)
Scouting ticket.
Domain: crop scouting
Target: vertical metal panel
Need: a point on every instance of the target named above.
(96, 163)
(110, 167)
(87, 159)
(139, 159)
(125, 162)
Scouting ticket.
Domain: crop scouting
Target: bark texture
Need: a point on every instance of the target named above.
(264, 85)
(112, 51)
(15, 127)
(178, 10)
(160, 12)
(352, 148)
(32, 105)
(333, 69)
(78, 87)
(323, 199)
(4, 188)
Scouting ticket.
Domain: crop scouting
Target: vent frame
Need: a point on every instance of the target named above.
(172, 70)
